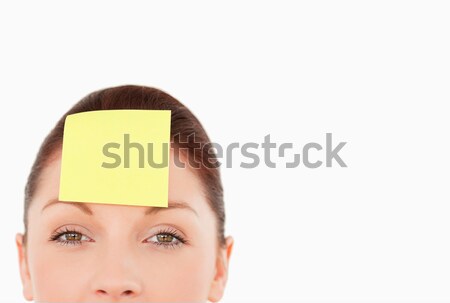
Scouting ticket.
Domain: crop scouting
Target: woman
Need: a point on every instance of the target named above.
(88, 252)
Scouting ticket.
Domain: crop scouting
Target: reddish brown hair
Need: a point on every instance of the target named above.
(183, 124)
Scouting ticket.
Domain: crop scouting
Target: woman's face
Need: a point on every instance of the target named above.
(87, 252)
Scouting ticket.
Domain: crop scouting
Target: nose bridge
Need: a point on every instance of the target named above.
(115, 270)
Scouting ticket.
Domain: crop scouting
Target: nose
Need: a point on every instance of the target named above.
(117, 291)
(116, 277)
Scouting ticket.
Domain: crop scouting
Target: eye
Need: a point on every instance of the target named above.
(168, 238)
(69, 237)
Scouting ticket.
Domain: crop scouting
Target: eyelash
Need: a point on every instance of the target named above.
(173, 233)
(168, 232)
(57, 234)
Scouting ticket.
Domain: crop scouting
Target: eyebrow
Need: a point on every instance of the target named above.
(149, 211)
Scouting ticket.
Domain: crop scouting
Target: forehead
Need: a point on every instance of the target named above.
(184, 184)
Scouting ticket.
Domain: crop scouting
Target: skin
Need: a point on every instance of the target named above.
(119, 259)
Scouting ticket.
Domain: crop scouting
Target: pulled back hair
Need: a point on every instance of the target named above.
(183, 125)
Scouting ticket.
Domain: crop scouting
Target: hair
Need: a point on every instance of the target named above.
(183, 125)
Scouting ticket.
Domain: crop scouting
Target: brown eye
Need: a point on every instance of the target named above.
(73, 237)
(70, 237)
(165, 238)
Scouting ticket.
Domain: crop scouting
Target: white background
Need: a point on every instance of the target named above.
(374, 73)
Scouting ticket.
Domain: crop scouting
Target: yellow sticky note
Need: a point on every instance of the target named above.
(116, 157)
